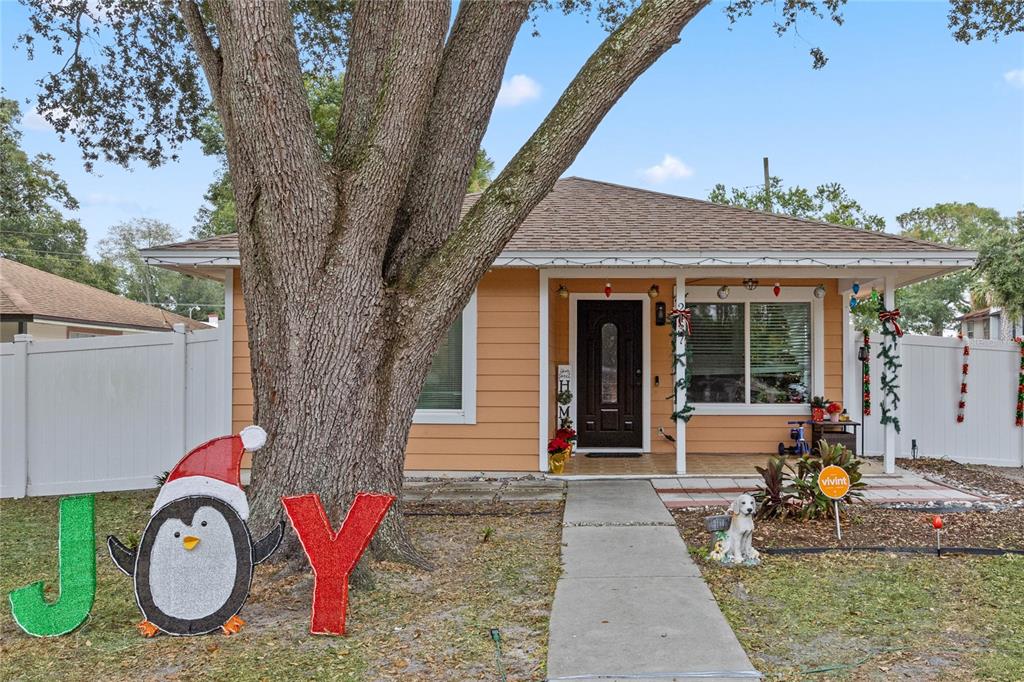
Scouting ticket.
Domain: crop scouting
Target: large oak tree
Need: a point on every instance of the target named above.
(354, 266)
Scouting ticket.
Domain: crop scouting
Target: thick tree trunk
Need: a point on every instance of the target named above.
(354, 268)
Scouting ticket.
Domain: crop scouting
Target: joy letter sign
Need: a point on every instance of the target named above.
(193, 566)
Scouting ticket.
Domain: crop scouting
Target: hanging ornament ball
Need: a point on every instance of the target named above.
(856, 287)
(776, 289)
(874, 296)
(937, 522)
(608, 290)
(853, 303)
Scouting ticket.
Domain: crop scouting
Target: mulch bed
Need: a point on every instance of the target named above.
(972, 476)
(868, 526)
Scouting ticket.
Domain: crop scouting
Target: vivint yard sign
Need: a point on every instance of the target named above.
(193, 567)
(834, 483)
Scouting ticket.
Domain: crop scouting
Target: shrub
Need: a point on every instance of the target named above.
(789, 491)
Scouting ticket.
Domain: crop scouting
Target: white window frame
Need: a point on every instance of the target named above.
(764, 294)
(467, 413)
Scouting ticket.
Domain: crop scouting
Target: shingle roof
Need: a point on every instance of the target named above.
(25, 291)
(581, 215)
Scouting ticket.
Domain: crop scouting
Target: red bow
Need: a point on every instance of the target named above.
(891, 316)
(683, 317)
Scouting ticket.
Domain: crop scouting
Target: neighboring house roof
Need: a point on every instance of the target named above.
(589, 216)
(28, 293)
(980, 314)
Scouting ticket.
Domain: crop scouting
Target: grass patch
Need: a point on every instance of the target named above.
(868, 617)
(415, 625)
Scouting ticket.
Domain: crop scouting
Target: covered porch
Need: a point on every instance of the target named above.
(767, 337)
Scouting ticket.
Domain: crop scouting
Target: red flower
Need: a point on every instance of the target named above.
(557, 445)
(566, 434)
(834, 408)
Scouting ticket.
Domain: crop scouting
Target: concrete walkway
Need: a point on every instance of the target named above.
(631, 604)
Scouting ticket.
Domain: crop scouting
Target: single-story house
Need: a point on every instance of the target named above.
(992, 323)
(50, 308)
(581, 299)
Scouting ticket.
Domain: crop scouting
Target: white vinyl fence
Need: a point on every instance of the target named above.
(930, 390)
(108, 412)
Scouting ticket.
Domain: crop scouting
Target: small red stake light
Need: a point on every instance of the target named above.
(937, 522)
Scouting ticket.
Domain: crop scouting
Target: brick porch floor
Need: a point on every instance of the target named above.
(664, 463)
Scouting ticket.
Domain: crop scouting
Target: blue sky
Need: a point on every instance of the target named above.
(902, 116)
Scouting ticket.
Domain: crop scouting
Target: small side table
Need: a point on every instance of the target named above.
(821, 431)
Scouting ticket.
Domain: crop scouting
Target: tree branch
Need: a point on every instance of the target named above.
(471, 70)
(209, 55)
(643, 37)
(394, 59)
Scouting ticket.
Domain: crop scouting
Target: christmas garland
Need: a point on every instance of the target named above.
(962, 405)
(890, 366)
(865, 372)
(681, 320)
(1020, 385)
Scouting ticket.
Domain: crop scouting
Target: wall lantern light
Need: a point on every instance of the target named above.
(654, 291)
(563, 291)
(750, 284)
(723, 292)
(819, 291)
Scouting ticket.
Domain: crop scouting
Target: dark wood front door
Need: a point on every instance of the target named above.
(609, 371)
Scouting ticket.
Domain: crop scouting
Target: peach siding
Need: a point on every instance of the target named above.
(508, 350)
(508, 340)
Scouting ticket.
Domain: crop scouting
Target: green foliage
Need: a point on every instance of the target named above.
(189, 296)
(792, 491)
(33, 229)
(813, 503)
(828, 202)
(1001, 265)
(889, 381)
(775, 498)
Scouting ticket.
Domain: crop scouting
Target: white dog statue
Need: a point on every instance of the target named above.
(738, 548)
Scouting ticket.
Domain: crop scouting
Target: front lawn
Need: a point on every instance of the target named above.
(493, 571)
(876, 616)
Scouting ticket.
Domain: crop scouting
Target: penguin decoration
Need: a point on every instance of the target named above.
(194, 564)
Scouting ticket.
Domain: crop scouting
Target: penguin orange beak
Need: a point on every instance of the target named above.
(190, 542)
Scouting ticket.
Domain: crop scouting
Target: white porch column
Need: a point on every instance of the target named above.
(680, 302)
(892, 442)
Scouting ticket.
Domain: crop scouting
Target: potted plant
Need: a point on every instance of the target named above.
(568, 434)
(818, 405)
(558, 452)
(833, 410)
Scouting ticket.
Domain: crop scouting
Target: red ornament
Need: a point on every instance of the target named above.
(334, 555)
(937, 522)
(608, 290)
(776, 289)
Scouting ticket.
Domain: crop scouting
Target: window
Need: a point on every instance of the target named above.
(758, 354)
(443, 388)
(449, 392)
(780, 353)
(609, 364)
(716, 354)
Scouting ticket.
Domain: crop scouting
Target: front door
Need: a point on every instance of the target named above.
(609, 374)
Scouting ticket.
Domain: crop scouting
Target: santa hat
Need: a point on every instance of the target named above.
(213, 469)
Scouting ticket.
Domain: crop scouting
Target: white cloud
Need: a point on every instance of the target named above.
(516, 90)
(33, 120)
(1015, 77)
(670, 168)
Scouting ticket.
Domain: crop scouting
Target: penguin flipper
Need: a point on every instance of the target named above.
(262, 549)
(123, 557)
